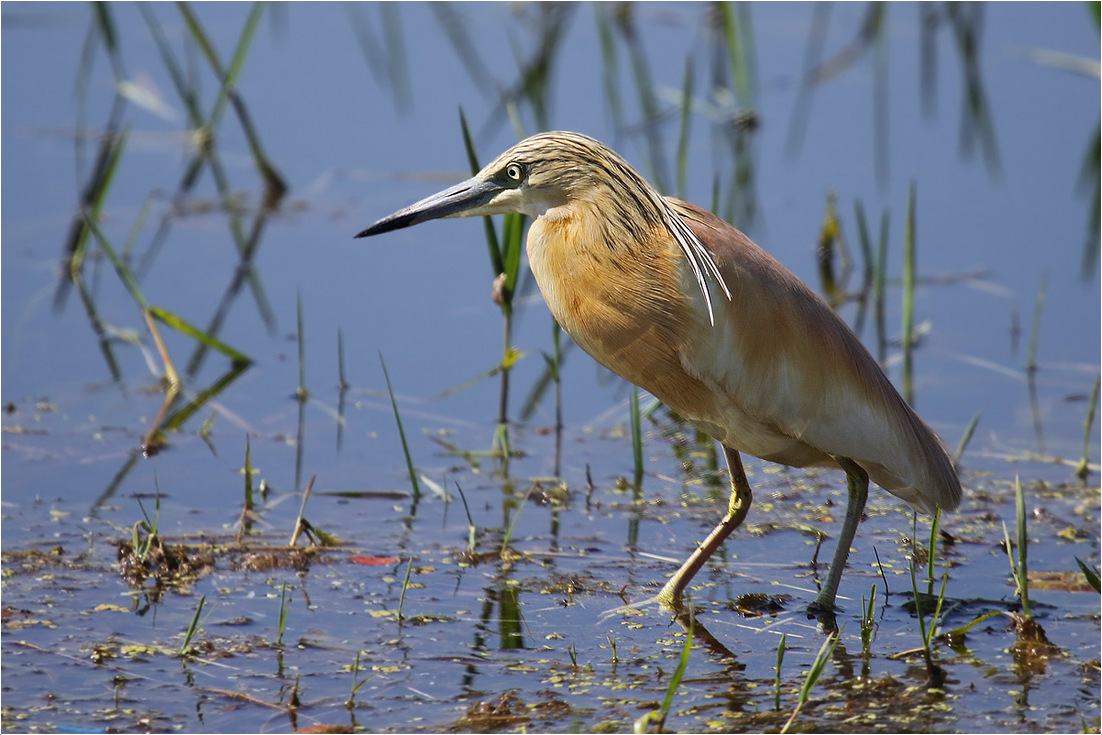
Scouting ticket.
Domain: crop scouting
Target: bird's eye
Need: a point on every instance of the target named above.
(514, 171)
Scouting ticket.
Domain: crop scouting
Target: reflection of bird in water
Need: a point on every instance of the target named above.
(684, 305)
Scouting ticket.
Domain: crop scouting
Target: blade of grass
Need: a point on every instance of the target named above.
(505, 257)
(813, 674)
(513, 523)
(178, 419)
(1090, 574)
(658, 718)
(123, 271)
(511, 357)
(935, 675)
(248, 508)
(405, 586)
(401, 434)
(957, 633)
(966, 438)
(472, 530)
(105, 334)
(91, 216)
(977, 122)
(356, 685)
(678, 673)
(169, 319)
(777, 680)
(497, 262)
(1019, 571)
(101, 29)
(274, 183)
(193, 629)
(284, 608)
(142, 546)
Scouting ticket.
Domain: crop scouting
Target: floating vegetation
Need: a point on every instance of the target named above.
(139, 567)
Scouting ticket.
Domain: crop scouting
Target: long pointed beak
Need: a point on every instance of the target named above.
(458, 201)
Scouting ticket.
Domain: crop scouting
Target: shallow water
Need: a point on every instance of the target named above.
(487, 643)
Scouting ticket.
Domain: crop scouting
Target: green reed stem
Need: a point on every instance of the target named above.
(636, 435)
(1035, 328)
(869, 265)
(301, 393)
(739, 38)
(879, 283)
(1081, 469)
(1019, 571)
(284, 609)
(610, 77)
(932, 548)
(250, 503)
(1023, 544)
(684, 127)
(908, 295)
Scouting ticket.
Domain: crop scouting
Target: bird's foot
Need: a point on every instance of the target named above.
(633, 606)
(825, 612)
(669, 598)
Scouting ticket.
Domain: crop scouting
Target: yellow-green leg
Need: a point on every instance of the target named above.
(737, 508)
(857, 483)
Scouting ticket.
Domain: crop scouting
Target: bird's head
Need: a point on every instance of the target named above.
(541, 172)
(560, 170)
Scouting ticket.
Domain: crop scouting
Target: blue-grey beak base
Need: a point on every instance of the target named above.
(452, 202)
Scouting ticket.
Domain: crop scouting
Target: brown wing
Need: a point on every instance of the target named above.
(800, 387)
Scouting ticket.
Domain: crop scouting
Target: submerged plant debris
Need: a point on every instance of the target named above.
(223, 512)
(533, 639)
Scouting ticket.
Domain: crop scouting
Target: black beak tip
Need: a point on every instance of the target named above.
(386, 224)
(396, 221)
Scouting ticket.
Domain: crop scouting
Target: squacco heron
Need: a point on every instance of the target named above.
(685, 306)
